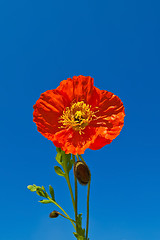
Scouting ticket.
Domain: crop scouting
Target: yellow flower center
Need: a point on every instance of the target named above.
(78, 116)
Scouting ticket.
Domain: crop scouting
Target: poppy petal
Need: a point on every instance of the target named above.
(105, 124)
(71, 141)
(77, 89)
(99, 143)
(47, 110)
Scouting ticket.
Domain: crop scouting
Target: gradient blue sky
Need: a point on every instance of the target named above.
(118, 44)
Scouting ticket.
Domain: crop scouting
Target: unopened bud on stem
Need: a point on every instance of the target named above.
(54, 214)
(82, 173)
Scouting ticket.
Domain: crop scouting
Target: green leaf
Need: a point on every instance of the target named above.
(80, 230)
(69, 165)
(59, 158)
(43, 188)
(40, 192)
(45, 201)
(59, 171)
(63, 158)
(32, 188)
(58, 149)
(79, 237)
(79, 219)
(52, 192)
(66, 157)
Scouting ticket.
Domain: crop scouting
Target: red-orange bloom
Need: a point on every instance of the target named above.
(77, 115)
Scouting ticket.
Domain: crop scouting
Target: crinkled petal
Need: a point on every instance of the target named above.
(71, 141)
(106, 123)
(47, 111)
(109, 117)
(105, 136)
(99, 142)
(77, 89)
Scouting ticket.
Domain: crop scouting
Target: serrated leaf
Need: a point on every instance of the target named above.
(59, 171)
(43, 188)
(51, 190)
(79, 219)
(45, 201)
(32, 188)
(80, 230)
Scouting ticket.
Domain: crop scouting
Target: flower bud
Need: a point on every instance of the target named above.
(54, 214)
(82, 173)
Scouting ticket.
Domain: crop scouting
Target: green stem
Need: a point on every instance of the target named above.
(69, 184)
(76, 190)
(66, 217)
(81, 158)
(87, 223)
(62, 211)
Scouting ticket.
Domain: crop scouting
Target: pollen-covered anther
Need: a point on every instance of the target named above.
(78, 116)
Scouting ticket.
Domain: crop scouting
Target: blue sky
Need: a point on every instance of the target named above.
(117, 43)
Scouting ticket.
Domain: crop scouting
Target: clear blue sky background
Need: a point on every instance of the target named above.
(118, 44)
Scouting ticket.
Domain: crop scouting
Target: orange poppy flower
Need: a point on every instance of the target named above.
(77, 115)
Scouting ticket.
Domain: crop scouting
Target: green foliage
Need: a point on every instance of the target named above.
(45, 201)
(42, 192)
(80, 235)
(69, 165)
(80, 230)
(32, 188)
(59, 171)
(64, 160)
(51, 192)
(59, 156)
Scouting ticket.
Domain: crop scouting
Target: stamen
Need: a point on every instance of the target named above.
(78, 116)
